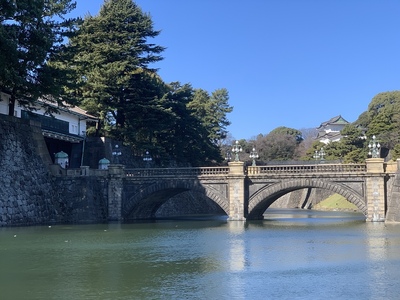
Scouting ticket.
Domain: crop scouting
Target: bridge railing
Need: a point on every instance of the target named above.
(225, 170)
(293, 169)
(157, 172)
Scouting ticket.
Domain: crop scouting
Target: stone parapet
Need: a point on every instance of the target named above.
(236, 168)
(391, 166)
(375, 165)
(116, 170)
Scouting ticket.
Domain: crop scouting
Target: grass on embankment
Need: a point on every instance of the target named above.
(335, 202)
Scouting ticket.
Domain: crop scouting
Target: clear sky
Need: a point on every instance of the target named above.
(293, 63)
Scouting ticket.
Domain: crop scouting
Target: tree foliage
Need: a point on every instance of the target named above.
(382, 118)
(140, 112)
(108, 52)
(106, 67)
(280, 144)
(212, 112)
(32, 32)
(396, 152)
(184, 137)
(350, 149)
(112, 56)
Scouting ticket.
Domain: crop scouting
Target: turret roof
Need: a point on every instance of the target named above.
(338, 120)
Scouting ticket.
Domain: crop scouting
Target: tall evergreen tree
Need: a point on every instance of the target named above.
(111, 55)
(109, 52)
(383, 118)
(146, 112)
(184, 137)
(212, 112)
(31, 33)
(351, 147)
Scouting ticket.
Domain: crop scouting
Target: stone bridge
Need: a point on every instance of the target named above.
(245, 193)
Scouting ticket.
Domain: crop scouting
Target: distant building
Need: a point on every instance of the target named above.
(329, 131)
(64, 131)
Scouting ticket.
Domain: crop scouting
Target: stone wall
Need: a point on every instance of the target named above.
(392, 209)
(188, 203)
(304, 198)
(25, 184)
(29, 194)
(81, 199)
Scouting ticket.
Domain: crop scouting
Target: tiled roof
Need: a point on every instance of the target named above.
(328, 135)
(71, 109)
(338, 120)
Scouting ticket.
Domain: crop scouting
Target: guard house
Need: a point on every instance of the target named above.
(61, 158)
(329, 131)
(65, 131)
(103, 164)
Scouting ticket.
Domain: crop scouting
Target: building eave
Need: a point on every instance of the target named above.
(73, 110)
(62, 136)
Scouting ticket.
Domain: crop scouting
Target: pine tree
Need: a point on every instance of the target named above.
(31, 33)
(110, 50)
(211, 112)
(184, 137)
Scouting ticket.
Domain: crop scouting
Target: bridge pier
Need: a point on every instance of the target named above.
(375, 190)
(115, 187)
(236, 194)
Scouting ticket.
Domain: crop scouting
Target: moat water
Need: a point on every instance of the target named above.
(292, 254)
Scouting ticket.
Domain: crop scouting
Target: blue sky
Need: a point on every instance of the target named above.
(293, 63)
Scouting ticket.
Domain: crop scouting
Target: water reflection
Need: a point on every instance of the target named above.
(237, 256)
(320, 255)
(377, 246)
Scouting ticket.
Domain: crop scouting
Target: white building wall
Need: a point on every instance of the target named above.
(325, 141)
(82, 127)
(77, 126)
(334, 128)
(4, 103)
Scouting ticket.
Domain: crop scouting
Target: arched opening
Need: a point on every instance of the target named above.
(171, 199)
(314, 198)
(259, 203)
(189, 204)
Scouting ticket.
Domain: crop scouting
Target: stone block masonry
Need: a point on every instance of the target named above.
(25, 184)
(29, 194)
(393, 206)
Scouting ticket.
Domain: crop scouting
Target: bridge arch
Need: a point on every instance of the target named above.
(260, 201)
(145, 203)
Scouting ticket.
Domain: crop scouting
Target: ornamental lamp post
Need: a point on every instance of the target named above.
(116, 154)
(322, 154)
(237, 149)
(316, 155)
(147, 159)
(228, 156)
(374, 148)
(253, 155)
(319, 155)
